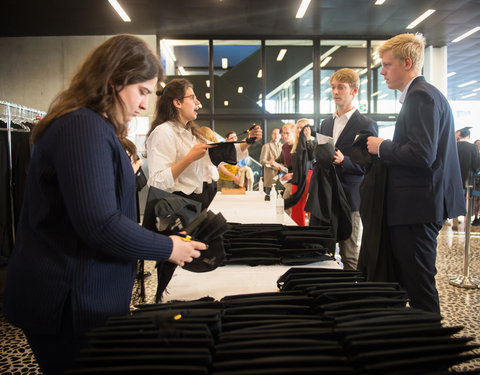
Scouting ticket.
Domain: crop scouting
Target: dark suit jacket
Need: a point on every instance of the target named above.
(424, 183)
(469, 158)
(350, 173)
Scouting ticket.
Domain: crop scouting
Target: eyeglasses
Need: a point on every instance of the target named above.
(193, 97)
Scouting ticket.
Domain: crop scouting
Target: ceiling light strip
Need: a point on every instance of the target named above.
(302, 8)
(123, 15)
(281, 54)
(428, 13)
(467, 83)
(467, 34)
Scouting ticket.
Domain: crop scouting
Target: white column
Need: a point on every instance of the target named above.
(435, 67)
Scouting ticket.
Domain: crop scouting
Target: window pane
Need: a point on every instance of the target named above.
(237, 76)
(289, 76)
(383, 100)
(338, 54)
(188, 59)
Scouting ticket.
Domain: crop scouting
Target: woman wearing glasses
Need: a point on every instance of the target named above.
(177, 153)
(176, 149)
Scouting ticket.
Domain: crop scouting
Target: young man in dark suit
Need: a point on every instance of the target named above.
(424, 185)
(343, 126)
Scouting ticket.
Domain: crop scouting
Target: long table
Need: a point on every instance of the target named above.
(236, 279)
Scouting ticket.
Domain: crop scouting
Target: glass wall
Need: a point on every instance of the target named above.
(289, 76)
(188, 59)
(237, 76)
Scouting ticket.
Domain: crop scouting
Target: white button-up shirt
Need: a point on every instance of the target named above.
(168, 144)
(339, 123)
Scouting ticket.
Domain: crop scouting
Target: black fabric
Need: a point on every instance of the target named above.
(174, 213)
(327, 202)
(375, 258)
(302, 160)
(141, 179)
(20, 151)
(223, 152)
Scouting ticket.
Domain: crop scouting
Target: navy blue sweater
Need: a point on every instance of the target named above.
(77, 236)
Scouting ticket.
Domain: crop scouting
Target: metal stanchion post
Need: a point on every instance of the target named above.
(465, 280)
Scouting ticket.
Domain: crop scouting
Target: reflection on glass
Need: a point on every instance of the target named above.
(237, 83)
(188, 59)
(289, 76)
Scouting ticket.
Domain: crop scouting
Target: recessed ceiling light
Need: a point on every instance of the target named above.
(451, 74)
(259, 74)
(376, 93)
(468, 96)
(123, 15)
(225, 103)
(302, 8)
(207, 82)
(224, 63)
(281, 54)
(240, 89)
(379, 2)
(207, 95)
(468, 33)
(467, 83)
(421, 18)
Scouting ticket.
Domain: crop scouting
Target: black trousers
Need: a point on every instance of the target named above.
(414, 250)
(165, 270)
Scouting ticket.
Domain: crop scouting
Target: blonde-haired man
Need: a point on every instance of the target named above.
(424, 186)
(343, 126)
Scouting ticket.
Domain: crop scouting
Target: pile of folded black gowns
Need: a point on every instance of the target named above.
(323, 321)
(266, 244)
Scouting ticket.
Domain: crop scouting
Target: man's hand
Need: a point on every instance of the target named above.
(338, 158)
(373, 144)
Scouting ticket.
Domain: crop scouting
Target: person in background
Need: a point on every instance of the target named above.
(285, 158)
(78, 239)
(177, 153)
(301, 171)
(424, 185)
(228, 178)
(270, 150)
(176, 150)
(469, 158)
(343, 127)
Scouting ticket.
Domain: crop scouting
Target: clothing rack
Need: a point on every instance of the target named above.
(23, 113)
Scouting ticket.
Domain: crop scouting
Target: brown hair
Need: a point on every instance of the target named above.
(119, 61)
(130, 148)
(165, 110)
(346, 75)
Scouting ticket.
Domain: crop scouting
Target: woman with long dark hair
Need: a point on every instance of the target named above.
(78, 240)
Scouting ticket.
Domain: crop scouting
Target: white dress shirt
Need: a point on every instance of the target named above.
(339, 123)
(168, 144)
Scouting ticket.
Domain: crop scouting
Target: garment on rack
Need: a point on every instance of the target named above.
(20, 147)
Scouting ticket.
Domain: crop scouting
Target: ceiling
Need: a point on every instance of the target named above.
(344, 19)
